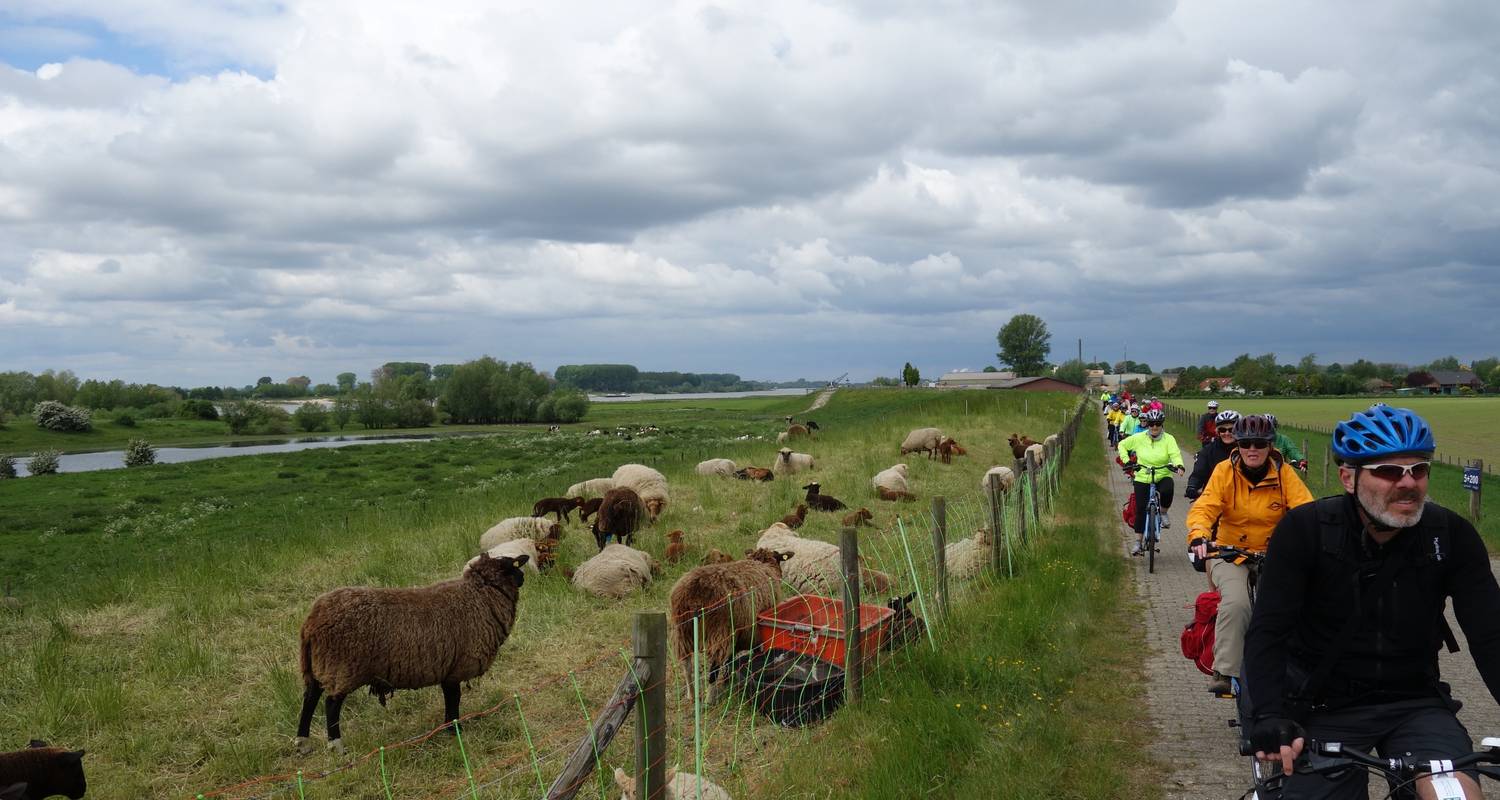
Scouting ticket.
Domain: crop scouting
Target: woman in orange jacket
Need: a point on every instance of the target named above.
(1245, 497)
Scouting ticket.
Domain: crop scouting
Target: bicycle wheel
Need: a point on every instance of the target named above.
(1153, 524)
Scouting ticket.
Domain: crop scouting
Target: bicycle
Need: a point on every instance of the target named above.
(1153, 511)
(1237, 690)
(1401, 774)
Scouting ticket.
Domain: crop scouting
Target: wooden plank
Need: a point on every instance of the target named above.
(611, 719)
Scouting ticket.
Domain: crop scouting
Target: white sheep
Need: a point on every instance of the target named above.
(615, 571)
(514, 548)
(789, 463)
(1051, 442)
(967, 557)
(1037, 452)
(922, 440)
(680, 786)
(815, 566)
(646, 482)
(1007, 478)
(894, 478)
(594, 487)
(716, 466)
(520, 528)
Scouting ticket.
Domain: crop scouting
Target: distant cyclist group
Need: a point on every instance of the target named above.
(1341, 642)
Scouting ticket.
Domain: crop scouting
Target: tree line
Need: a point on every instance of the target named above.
(627, 378)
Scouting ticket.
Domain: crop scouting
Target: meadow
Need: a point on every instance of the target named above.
(159, 606)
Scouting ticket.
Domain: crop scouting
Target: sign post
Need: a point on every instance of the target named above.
(1472, 476)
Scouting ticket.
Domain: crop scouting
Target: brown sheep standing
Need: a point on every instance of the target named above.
(589, 508)
(556, 505)
(795, 519)
(725, 598)
(855, 519)
(1019, 443)
(674, 547)
(389, 639)
(948, 448)
(620, 514)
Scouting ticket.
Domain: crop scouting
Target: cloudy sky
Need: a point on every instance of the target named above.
(205, 191)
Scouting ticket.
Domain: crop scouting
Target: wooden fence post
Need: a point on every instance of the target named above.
(585, 758)
(997, 522)
(854, 662)
(1031, 468)
(940, 551)
(1020, 473)
(650, 646)
(1475, 506)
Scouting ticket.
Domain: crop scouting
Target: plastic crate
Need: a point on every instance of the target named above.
(792, 688)
(814, 625)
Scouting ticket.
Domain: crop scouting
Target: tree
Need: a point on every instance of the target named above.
(343, 410)
(884, 381)
(346, 382)
(263, 380)
(990, 368)
(1073, 371)
(299, 382)
(311, 417)
(1483, 367)
(1025, 344)
(1445, 364)
(910, 376)
(325, 390)
(1420, 378)
(1494, 377)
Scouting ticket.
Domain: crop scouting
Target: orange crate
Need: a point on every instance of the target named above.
(814, 625)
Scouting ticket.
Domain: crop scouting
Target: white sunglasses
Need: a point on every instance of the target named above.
(1395, 472)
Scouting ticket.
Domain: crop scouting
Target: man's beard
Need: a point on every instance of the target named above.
(1377, 504)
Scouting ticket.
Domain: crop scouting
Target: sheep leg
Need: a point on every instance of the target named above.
(310, 695)
(331, 710)
(451, 692)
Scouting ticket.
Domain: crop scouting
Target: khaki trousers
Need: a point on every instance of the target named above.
(1233, 583)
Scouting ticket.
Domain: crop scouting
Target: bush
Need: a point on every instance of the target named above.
(311, 417)
(124, 420)
(139, 453)
(54, 416)
(44, 462)
(198, 409)
(7, 467)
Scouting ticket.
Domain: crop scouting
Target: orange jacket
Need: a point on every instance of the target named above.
(1245, 515)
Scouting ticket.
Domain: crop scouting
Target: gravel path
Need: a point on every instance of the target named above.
(1193, 735)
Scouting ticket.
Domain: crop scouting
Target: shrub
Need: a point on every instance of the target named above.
(54, 416)
(124, 420)
(7, 467)
(139, 453)
(44, 462)
(198, 409)
(311, 417)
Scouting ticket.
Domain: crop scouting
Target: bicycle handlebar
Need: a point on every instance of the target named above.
(1229, 553)
(1325, 757)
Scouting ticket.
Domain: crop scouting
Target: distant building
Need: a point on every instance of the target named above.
(1004, 380)
(1379, 385)
(1119, 379)
(1448, 381)
(1225, 385)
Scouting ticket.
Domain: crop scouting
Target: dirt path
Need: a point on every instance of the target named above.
(1193, 735)
(822, 399)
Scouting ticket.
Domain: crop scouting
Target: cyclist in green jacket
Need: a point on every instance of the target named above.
(1153, 447)
(1288, 448)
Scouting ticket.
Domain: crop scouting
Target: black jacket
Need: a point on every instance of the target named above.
(1203, 466)
(1310, 583)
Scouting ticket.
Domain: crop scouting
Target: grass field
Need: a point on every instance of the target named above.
(160, 605)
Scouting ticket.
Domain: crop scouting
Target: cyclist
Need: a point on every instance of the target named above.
(1206, 423)
(1245, 497)
(1153, 447)
(1288, 448)
(1212, 453)
(1112, 420)
(1131, 423)
(1348, 618)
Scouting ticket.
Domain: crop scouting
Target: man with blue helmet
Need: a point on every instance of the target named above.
(1348, 619)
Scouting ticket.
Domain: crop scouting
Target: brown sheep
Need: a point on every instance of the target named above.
(1019, 443)
(42, 771)
(893, 494)
(857, 518)
(716, 556)
(620, 514)
(674, 547)
(556, 505)
(795, 519)
(389, 639)
(949, 448)
(822, 502)
(725, 598)
(589, 508)
(754, 474)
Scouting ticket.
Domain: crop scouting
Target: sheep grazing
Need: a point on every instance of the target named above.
(948, 448)
(620, 514)
(922, 440)
(793, 432)
(892, 484)
(675, 547)
(1019, 443)
(540, 553)
(594, 487)
(589, 508)
(716, 556)
(520, 528)
(818, 501)
(795, 519)
(1007, 478)
(556, 505)
(647, 483)
(857, 518)
(389, 639)
(754, 474)
(716, 466)
(966, 557)
(789, 463)
(42, 771)
(815, 567)
(725, 598)
(680, 786)
(616, 571)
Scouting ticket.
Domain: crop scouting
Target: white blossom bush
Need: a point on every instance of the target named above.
(7, 467)
(44, 462)
(139, 453)
(54, 416)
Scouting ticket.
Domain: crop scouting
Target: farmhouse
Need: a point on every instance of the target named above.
(1447, 381)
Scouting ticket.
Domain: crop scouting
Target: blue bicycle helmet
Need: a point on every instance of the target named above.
(1382, 431)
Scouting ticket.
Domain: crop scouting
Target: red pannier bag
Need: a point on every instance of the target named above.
(1198, 636)
(1128, 512)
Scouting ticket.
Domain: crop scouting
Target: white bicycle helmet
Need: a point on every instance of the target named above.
(1227, 417)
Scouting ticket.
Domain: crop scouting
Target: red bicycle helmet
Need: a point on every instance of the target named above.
(1255, 426)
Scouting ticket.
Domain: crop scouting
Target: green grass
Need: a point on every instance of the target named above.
(161, 604)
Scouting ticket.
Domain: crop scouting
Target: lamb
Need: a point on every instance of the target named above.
(822, 502)
(615, 572)
(520, 528)
(967, 557)
(589, 508)
(389, 639)
(1007, 478)
(716, 556)
(789, 463)
(754, 474)
(793, 432)
(892, 484)
(948, 448)
(540, 553)
(620, 514)
(716, 466)
(680, 786)
(1019, 443)
(594, 487)
(795, 519)
(893, 494)
(922, 440)
(905, 626)
(41, 771)
(725, 598)
(647, 483)
(556, 505)
(674, 547)
(857, 518)
(815, 567)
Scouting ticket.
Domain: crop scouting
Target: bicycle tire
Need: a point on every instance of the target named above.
(1151, 544)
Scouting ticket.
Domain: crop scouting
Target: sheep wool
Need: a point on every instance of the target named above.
(615, 572)
(1051, 441)
(1007, 478)
(716, 466)
(1038, 453)
(790, 463)
(45, 771)
(514, 548)
(520, 528)
(893, 478)
(646, 482)
(921, 440)
(594, 487)
(725, 599)
(815, 566)
(680, 786)
(967, 557)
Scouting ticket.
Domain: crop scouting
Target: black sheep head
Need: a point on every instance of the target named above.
(813, 488)
(499, 572)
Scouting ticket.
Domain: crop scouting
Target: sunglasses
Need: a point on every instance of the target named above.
(1226, 429)
(1395, 472)
(1254, 444)
(1155, 424)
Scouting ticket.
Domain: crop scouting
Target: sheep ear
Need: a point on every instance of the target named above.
(520, 561)
(35, 743)
(785, 556)
(76, 755)
(624, 782)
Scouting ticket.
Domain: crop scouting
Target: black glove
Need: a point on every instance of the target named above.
(1269, 734)
(1191, 493)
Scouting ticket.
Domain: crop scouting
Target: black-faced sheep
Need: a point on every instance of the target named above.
(922, 440)
(620, 514)
(905, 626)
(389, 639)
(812, 426)
(647, 483)
(790, 463)
(680, 786)
(725, 598)
(615, 572)
(754, 474)
(560, 506)
(818, 501)
(43, 771)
